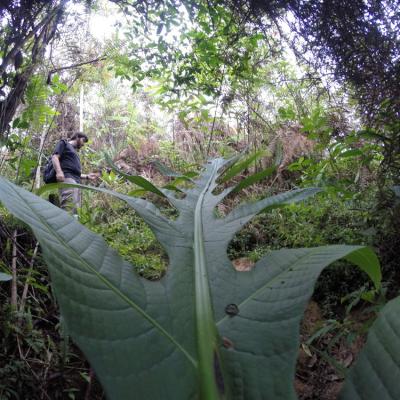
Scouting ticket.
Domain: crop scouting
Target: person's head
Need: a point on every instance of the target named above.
(79, 139)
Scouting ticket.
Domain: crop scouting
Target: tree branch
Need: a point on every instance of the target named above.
(75, 66)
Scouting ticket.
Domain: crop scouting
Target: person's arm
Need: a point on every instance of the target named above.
(92, 176)
(55, 158)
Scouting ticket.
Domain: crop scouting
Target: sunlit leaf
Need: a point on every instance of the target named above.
(5, 277)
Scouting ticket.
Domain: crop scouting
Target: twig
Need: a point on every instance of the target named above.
(212, 128)
(89, 385)
(14, 272)
(74, 66)
(21, 355)
(215, 113)
(26, 286)
(19, 247)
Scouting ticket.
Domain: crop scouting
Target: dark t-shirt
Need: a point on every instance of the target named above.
(69, 160)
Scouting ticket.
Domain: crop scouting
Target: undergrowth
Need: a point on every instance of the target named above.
(126, 232)
(38, 362)
(324, 220)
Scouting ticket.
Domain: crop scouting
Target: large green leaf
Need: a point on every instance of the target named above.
(164, 339)
(376, 374)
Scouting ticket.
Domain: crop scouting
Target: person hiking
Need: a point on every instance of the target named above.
(67, 166)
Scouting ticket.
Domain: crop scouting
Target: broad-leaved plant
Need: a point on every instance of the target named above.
(203, 331)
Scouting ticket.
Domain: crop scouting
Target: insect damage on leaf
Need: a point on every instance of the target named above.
(232, 310)
(227, 343)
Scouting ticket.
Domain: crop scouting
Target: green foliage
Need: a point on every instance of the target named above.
(36, 360)
(322, 221)
(25, 33)
(194, 55)
(385, 131)
(123, 313)
(127, 233)
(240, 166)
(20, 164)
(344, 165)
(326, 220)
(37, 110)
(170, 153)
(222, 82)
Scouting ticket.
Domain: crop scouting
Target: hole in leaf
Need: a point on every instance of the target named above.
(127, 233)
(247, 246)
(232, 310)
(245, 196)
(164, 206)
(243, 264)
(220, 188)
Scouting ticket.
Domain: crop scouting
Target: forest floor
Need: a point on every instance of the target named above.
(319, 372)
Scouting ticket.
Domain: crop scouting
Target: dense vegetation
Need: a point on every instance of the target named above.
(305, 92)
